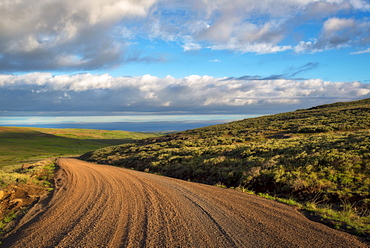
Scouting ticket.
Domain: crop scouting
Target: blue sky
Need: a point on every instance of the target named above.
(171, 57)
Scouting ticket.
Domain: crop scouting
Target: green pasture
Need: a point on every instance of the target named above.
(22, 145)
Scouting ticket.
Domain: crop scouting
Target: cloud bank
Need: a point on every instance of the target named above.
(95, 34)
(87, 93)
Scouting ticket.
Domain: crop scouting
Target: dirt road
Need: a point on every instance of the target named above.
(104, 206)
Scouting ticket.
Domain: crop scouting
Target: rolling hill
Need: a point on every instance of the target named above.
(319, 155)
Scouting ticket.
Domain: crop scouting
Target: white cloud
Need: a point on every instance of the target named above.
(191, 46)
(361, 52)
(337, 24)
(259, 48)
(337, 33)
(260, 26)
(45, 35)
(87, 35)
(306, 47)
(87, 92)
(360, 4)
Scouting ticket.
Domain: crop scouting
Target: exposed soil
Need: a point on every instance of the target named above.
(16, 198)
(105, 206)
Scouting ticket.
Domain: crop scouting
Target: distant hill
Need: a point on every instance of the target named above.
(23, 144)
(318, 154)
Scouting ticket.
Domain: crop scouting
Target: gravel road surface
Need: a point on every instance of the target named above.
(105, 206)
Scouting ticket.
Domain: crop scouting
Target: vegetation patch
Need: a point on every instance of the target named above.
(21, 187)
(344, 217)
(319, 155)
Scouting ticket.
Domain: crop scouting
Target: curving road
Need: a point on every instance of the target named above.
(105, 206)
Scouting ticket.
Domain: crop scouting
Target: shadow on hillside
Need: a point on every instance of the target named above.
(30, 135)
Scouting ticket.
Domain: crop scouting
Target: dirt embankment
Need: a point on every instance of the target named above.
(16, 198)
(104, 206)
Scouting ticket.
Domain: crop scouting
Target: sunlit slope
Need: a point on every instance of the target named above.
(18, 144)
(319, 153)
(93, 134)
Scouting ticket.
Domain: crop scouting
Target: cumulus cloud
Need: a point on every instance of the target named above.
(263, 26)
(88, 35)
(46, 35)
(337, 33)
(196, 94)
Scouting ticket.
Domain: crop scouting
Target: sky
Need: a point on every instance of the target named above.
(175, 61)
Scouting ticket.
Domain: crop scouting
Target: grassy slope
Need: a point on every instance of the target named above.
(335, 136)
(317, 156)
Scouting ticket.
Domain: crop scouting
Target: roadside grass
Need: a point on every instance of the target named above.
(344, 217)
(6, 219)
(21, 186)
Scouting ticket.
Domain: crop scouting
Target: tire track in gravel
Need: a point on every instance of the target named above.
(105, 206)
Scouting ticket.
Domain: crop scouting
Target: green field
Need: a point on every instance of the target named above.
(21, 145)
(317, 157)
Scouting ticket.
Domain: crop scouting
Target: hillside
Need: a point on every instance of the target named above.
(319, 155)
